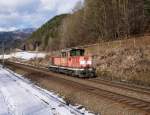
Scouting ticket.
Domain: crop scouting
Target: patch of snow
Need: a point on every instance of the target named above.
(24, 55)
(28, 55)
(18, 96)
(4, 110)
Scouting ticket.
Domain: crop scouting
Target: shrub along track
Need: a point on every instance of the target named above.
(134, 97)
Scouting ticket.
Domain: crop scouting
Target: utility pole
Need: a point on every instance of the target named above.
(37, 49)
(3, 50)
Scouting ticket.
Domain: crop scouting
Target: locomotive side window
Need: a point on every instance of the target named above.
(77, 52)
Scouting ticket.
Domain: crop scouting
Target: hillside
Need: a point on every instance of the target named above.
(123, 60)
(13, 39)
(47, 35)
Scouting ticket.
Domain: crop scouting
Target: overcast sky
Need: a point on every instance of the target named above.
(15, 14)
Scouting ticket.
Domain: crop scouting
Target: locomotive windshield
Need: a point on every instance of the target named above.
(77, 52)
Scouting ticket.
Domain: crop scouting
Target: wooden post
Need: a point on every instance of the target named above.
(134, 43)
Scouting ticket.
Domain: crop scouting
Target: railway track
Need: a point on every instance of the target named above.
(124, 86)
(110, 90)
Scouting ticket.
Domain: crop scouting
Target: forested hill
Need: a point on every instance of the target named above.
(93, 22)
(46, 34)
(14, 39)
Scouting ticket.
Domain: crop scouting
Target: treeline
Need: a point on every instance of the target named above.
(99, 20)
(47, 36)
(103, 20)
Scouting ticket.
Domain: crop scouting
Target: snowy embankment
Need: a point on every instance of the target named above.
(24, 55)
(18, 96)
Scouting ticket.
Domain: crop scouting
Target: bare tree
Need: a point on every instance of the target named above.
(102, 20)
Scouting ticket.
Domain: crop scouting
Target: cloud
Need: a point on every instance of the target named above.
(60, 6)
(7, 29)
(31, 13)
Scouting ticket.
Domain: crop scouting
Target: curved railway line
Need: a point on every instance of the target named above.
(134, 96)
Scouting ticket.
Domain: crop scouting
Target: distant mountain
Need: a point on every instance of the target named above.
(46, 34)
(14, 39)
(26, 30)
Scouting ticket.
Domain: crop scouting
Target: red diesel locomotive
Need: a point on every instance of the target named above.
(73, 62)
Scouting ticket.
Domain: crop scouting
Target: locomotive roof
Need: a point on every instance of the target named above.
(69, 49)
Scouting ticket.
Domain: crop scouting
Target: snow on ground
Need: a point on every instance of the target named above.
(18, 96)
(24, 55)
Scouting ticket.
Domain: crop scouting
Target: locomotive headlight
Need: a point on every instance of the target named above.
(89, 62)
(83, 62)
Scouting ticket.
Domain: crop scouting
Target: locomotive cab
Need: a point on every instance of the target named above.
(82, 60)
